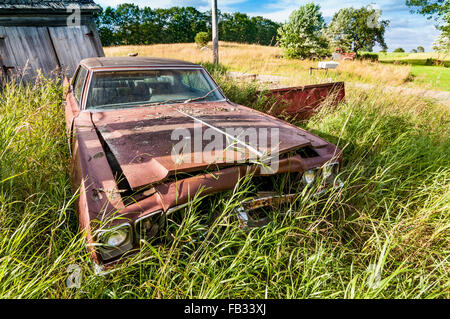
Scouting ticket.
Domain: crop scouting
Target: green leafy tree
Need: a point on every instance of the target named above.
(237, 27)
(439, 10)
(399, 50)
(442, 43)
(420, 49)
(265, 30)
(303, 35)
(357, 29)
(182, 24)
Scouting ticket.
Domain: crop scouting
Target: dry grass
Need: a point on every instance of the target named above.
(267, 60)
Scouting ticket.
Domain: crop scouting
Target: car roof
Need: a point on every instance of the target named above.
(115, 62)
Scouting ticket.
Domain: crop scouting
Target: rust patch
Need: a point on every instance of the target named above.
(98, 155)
(304, 101)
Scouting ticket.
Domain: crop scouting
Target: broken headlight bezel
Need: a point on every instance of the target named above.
(107, 249)
(155, 225)
(329, 170)
(310, 176)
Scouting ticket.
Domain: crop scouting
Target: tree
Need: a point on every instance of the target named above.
(439, 10)
(266, 30)
(303, 35)
(357, 29)
(236, 27)
(399, 50)
(442, 44)
(413, 51)
(420, 49)
(436, 9)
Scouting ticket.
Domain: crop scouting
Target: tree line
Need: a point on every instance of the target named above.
(304, 35)
(129, 24)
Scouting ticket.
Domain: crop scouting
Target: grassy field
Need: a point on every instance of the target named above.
(414, 58)
(384, 235)
(267, 60)
(422, 73)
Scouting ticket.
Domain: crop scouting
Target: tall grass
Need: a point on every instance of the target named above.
(384, 235)
(38, 232)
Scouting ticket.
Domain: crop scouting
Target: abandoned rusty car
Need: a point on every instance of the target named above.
(140, 131)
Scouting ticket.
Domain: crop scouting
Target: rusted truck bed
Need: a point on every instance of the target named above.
(304, 101)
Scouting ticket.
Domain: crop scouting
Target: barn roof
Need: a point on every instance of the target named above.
(46, 5)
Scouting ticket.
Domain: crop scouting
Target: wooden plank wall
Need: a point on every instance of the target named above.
(72, 44)
(28, 49)
(50, 49)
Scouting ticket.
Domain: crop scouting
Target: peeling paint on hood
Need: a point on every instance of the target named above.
(141, 138)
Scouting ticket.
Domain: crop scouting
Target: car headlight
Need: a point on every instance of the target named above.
(149, 225)
(115, 241)
(309, 176)
(115, 238)
(329, 170)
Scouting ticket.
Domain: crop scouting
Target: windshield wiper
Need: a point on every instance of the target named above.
(162, 102)
(201, 97)
(180, 100)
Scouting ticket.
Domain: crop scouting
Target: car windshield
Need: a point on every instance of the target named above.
(122, 89)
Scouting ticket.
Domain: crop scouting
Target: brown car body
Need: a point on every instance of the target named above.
(136, 141)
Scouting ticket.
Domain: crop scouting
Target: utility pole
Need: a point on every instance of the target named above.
(215, 33)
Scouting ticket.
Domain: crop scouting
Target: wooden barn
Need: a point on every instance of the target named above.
(47, 35)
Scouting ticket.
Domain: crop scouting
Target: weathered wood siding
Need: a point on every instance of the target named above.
(72, 44)
(36, 36)
(28, 49)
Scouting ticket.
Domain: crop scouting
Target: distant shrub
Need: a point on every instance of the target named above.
(399, 50)
(413, 51)
(215, 69)
(202, 39)
(434, 62)
(368, 56)
(420, 49)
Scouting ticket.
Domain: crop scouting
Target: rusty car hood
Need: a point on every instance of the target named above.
(141, 139)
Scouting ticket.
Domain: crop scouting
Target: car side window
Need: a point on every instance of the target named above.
(78, 83)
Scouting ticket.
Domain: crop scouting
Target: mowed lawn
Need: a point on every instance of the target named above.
(422, 73)
(432, 76)
(268, 60)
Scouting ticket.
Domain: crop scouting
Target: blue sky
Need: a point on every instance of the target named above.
(406, 30)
